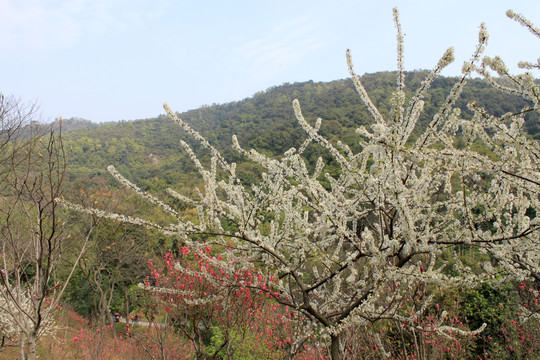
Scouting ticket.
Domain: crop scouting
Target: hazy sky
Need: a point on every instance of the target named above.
(107, 60)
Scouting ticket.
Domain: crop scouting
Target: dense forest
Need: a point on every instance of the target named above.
(148, 150)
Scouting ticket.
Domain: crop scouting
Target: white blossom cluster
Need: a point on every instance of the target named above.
(354, 251)
(8, 324)
(17, 314)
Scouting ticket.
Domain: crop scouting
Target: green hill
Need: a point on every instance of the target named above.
(148, 151)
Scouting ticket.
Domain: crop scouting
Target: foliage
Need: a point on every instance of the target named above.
(511, 312)
(115, 260)
(487, 304)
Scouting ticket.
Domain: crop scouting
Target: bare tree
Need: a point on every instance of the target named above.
(32, 234)
(353, 253)
(16, 133)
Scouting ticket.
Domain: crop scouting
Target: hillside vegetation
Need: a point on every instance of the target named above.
(148, 151)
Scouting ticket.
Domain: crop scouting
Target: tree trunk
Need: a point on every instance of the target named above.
(334, 347)
(101, 310)
(32, 347)
(28, 346)
(126, 304)
(22, 346)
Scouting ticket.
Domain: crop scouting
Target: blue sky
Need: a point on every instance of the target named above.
(108, 60)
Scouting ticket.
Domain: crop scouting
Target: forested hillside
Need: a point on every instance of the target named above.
(148, 151)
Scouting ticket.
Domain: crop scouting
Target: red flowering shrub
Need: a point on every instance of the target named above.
(221, 310)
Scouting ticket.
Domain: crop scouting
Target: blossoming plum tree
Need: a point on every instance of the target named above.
(349, 253)
(519, 159)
